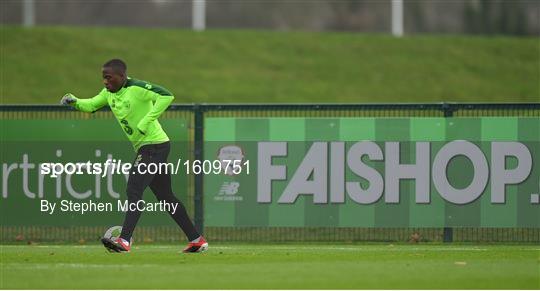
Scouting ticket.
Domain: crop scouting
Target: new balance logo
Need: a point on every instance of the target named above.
(228, 192)
(229, 188)
(137, 160)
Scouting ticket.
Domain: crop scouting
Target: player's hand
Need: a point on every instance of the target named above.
(68, 99)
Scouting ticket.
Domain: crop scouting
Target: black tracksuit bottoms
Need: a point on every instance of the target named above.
(160, 184)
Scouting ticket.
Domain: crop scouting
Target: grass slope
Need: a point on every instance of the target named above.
(39, 65)
(308, 266)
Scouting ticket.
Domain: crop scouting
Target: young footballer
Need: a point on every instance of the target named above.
(137, 106)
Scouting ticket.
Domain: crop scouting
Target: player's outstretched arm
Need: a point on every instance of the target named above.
(85, 105)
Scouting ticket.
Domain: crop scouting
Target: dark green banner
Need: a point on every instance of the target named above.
(27, 142)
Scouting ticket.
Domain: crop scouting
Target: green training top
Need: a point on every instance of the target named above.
(136, 106)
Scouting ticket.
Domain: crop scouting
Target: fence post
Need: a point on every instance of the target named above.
(29, 13)
(198, 155)
(448, 232)
(198, 15)
(397, 18)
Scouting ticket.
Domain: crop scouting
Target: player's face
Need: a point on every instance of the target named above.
(112, 80)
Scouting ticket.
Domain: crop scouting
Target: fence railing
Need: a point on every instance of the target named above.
(196, 115)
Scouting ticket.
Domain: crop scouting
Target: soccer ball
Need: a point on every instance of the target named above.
(114, 232)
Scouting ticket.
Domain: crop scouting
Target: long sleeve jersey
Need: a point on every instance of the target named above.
(136, 106)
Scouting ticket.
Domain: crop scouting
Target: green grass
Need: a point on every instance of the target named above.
(281, 266)
(39, 65)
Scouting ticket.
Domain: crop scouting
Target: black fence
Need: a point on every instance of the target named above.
(196, 114)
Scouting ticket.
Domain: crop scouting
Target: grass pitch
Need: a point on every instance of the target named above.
(278, 266)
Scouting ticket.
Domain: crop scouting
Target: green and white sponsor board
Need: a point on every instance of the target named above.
(28, 142)
(374, 172)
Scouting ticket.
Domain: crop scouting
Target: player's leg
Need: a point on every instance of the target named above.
(161, 186)
(137, 183)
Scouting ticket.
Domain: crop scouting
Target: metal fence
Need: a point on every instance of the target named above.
(514, 17)
(196, 114)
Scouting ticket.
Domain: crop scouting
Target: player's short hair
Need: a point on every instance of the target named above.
(117, 65)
